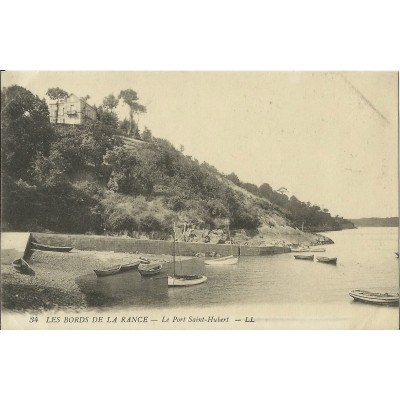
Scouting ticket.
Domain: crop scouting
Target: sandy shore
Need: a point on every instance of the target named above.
(50, 284)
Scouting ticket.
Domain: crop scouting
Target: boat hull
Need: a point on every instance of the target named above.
(150, 271)
(186, 281)
(44, 247)
(117, 269)
(327, 260)
(229, 260)
(375, 298)
(300, 257)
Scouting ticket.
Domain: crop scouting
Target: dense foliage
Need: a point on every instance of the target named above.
(86, 178)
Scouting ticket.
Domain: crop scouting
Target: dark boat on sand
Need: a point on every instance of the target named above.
(20, 263)
(45, 247)
(116, 269)
(304, 257)
(383, 299)
(327, 260)
(149, 270)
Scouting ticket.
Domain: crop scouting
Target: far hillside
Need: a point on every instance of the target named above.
(382, 222)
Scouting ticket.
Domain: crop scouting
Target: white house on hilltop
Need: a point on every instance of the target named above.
(71, 110)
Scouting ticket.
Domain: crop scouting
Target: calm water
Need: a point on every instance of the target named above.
(366, 260)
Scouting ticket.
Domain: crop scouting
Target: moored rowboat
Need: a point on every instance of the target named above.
(229, 260)
(300, 250)
(327, 260)
(117, 269)
(45, 247)
(304, 257)
(186, 280)
(148, 270)
(384, 299)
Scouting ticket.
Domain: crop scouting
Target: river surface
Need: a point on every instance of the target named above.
(366, 260)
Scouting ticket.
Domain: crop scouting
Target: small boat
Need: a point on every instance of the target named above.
(300, 250)
(384, 299)
(149, 270)
(304, 257)
(144, 260)
(117, 269)
(20, 263)
(228, 260)
(186, 280)
(45, 247)
(327, 260)
(23, 267)
(319, 250)
(397, 254)
(183, 280)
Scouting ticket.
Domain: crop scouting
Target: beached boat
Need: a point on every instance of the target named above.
(149, 270)
(23, 267)
(327, 260)
(228, 260)
(45, 247)
(116, 269)
(20, 263)
(183, 280)
(304, 257)
(319, 250)
(384, 299)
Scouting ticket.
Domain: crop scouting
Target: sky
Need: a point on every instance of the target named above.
(330, 138)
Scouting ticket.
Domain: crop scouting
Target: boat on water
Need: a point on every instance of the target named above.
(186, 280)
(116, 269)
(228, 260)
(149, 270)
(383, 299)
(300, 250)
(327, 260)
(183, 280)
(304, 257)
(308, 250)
(45, 247)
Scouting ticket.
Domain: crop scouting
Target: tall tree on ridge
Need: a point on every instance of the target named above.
(110, 102)
(130, 98)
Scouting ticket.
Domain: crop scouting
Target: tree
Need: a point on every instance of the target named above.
(57, 94)
(25, 130)
(147, 135)
(110, 102)
(130, 98)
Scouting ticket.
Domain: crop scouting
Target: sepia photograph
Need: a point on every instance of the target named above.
(199, 200)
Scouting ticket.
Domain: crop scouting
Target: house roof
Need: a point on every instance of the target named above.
(74, 95)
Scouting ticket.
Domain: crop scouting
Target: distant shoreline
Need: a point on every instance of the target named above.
(376, 222)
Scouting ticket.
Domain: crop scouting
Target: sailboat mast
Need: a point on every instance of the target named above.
(230, 240)
(174, 248)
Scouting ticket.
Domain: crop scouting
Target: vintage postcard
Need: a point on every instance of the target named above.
(199, 200)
